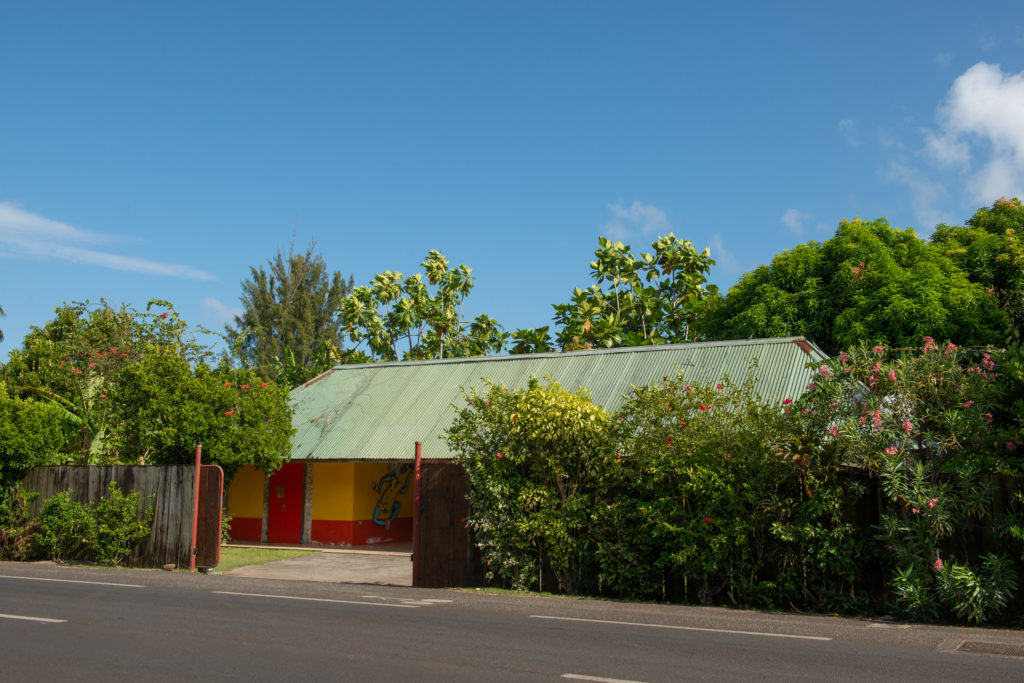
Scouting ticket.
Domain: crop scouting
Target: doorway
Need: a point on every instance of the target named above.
(284, 514)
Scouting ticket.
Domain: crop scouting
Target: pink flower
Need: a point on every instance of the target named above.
(968, 404)
(892, 374)
(787, 401)
(825, 372)
(810, 387)
(92, 365)
(264, 385)
(876, 418)
(164, 315)
(907, 426)
(892, 450)
(844, 357)
(937, 564)
(932, 502)
(1011, 446)
(929, 345)
(834, 430)
(77, 371)
(915, 511)
(950, 348)
(103, 395)
(988, 417)
(878, 350)
(499, 455)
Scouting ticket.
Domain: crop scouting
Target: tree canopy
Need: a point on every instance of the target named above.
(131, 387)
(419, 317)
(635, 301)
(990, 250)
(290, 327)
(870, 283)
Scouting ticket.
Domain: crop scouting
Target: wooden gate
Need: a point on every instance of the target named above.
(443, 552)
(211, 493)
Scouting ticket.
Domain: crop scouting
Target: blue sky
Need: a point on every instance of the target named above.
(158, 150)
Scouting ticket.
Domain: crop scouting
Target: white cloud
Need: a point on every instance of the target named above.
(221, 312)
(848, 129)
(628, 220)
(27, 235)
(981, 131)
(794, 220)
(722, 256)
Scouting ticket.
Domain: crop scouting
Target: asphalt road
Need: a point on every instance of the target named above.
(86, 624)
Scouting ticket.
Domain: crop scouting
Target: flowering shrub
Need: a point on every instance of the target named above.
(722, 497)
(920, 421)
(14, 523)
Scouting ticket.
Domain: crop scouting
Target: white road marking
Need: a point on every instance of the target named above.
(91, 583)
(434, 600)
(42, 619)
(683, 628)
(582, 677)
(296, 597)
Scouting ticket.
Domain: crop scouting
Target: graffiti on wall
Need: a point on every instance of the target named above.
(396, 481)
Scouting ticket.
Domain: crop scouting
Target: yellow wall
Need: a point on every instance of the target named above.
(348, 491)
(245, 495)
(332, 490)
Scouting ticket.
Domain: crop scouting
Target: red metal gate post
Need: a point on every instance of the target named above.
(416, 516)
(195, 509)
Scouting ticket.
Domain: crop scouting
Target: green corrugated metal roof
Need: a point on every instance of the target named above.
(378, 411)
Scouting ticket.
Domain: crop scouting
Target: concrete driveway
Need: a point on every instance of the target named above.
(381, 567)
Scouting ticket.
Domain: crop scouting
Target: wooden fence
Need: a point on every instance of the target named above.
(172, 488)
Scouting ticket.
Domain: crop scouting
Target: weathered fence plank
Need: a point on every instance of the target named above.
(171, 488)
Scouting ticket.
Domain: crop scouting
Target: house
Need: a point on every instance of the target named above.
(349, 480)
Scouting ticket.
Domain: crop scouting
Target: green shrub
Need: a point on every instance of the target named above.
(104, 531)
(65, 527)
(15, 539)
(117, 524)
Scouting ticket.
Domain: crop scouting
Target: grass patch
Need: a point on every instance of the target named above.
(233, 558)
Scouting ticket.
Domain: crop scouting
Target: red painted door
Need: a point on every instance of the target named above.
(284, 524)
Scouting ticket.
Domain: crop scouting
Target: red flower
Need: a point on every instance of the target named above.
(670, 442)
(227, 384)
(664, 379)
(230, 412)
(264, 385)
(244, 387)
(77, 371)
(787, 401)
(689, 388)
(707, 520)
(164, 315)
(718, 386)
(500, 455)
(703, 407)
